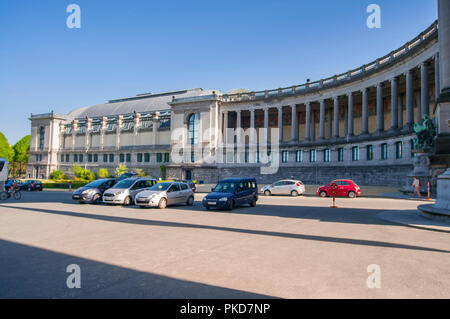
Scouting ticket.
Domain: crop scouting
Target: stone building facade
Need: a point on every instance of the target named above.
(357, 125)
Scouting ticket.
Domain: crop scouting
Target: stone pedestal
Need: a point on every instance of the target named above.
(421, 171)
(441, 209)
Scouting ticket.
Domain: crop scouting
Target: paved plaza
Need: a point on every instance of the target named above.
(285, 247)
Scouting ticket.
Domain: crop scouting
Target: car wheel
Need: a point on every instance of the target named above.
(267, 193)
(294, 193)
(96, 199)
(351, 194)
(190, 201)
(3, 195)
(29, 189)
(253, 202)
(162, 203)
(323, 194)
(127, 201)
(207, 207)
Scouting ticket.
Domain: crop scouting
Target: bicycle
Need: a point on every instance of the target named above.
(15, 193)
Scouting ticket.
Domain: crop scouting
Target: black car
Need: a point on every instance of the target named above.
(232, 192)
(31, 185)
(92, 193)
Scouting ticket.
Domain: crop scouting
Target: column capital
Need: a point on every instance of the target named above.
(336, 98)
(394, 79)
(364, 90)
(238, 112)
(424, 64)
(350, 94)
(252, 109)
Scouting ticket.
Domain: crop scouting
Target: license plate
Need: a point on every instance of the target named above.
(211, 203)
(76, 196)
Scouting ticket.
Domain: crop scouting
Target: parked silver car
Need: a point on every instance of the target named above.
(284, 187)
(124, 191)
(164, 194)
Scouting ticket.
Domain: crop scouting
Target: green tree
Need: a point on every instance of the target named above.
(103, 173)
(21, 154)
(162, 170)
(5, 149)
(121, 169)
(76, 169)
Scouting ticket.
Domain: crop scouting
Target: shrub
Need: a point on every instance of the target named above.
(141, 172)
(58, 175)
(162, 170)
(86, 175)
(121, 169)
(103, 173)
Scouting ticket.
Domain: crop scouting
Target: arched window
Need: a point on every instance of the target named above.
(41, 137)
(193, 129)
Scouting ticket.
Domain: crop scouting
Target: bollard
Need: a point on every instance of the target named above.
(333, 193)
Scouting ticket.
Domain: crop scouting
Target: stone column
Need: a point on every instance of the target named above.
(350, 130)
(380, 111)
(336, 117)
(294, 124)
(424, 96)
(239, 146)
(280, 123)
(437, 79)
(308, 122)
(322, 119)
(225, 127)
(252, 146)
(365, 111)
(313, 126)
(266, 124)
(330, 123)
(409, 100)
(394, 103)
(238, 128)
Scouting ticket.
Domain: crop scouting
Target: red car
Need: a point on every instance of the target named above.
(345, 187)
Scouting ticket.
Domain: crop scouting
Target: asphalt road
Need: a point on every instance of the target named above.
(284, 247)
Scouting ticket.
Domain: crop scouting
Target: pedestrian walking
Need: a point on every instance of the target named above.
(416, 185)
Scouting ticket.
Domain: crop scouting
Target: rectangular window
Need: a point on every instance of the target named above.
(340, 154)
(399, 150)
(299, 156)
(355, 153)
(384, 154)
(95, 158)
(284, 156)
(128, 158)
(67, 158)
(90, 158)
(139, 157)
(122, 158)
(81, 158)
(111, 158)
(370, 154)
(105, 158)
(412, 147)
(192, 157)
(62, 158)
(75, 158)
(166, 157)
(312, 156)
(326, 155)
(41, 137)
(147, 157)
(159, 157)
(246, 157)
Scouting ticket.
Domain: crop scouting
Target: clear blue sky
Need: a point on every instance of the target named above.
(129, 47)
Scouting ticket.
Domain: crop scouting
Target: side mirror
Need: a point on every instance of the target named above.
(212, 189)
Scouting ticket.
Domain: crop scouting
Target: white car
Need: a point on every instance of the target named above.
(164, 194)
(124, 191)
(284, 187)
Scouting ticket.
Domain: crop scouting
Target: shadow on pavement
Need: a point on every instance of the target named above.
(30, 272)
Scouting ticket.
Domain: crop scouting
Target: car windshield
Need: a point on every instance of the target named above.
(126, 183)
(225, 187)
(96, 183)
(160, 186)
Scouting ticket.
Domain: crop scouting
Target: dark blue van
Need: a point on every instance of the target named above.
(232, 192)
